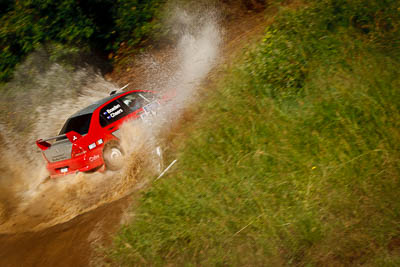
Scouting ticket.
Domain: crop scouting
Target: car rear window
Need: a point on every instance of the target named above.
(79, 124)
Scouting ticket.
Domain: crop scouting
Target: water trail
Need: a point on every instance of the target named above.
(39, 102)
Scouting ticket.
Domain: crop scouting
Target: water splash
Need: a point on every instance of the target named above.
(41, 101)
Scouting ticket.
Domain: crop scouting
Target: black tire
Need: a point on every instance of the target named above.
(113, 155)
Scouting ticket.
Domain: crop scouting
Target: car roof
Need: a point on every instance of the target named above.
(92, 107)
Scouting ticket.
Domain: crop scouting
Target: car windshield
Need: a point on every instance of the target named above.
(79, 124)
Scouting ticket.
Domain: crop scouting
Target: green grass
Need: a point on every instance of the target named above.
(294, 160)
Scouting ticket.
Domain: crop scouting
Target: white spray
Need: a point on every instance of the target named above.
(40, 203)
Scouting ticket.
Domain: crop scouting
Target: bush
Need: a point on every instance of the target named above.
(299, 37)
(95, 24)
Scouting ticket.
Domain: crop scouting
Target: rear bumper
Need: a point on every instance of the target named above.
(82, 163)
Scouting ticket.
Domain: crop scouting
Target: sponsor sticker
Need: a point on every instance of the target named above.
(93, 158)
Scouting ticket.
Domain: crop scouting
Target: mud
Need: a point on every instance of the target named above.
(78, 242)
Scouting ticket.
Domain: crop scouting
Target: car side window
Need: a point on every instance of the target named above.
(124, 105)
(113, 112)
(137, 100)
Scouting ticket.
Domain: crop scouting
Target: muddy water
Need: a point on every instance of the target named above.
(56, 222)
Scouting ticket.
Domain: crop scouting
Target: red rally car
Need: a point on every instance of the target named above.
(89, 138)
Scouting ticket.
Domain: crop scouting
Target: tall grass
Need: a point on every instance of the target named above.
(293, 161)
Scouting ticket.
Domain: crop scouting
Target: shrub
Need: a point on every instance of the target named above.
(282, 62)
(95, 24)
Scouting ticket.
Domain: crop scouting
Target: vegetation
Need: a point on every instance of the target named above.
(302, 164)
(103, 27)
(100, 25)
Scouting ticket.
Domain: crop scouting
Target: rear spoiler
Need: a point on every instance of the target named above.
(43, 144)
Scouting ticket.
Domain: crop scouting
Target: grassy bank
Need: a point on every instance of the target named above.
(294, 160)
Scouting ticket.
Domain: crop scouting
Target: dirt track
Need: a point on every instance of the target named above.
(74, 243)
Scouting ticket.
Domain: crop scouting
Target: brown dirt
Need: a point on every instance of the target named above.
(77, 242)
(73, 243)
